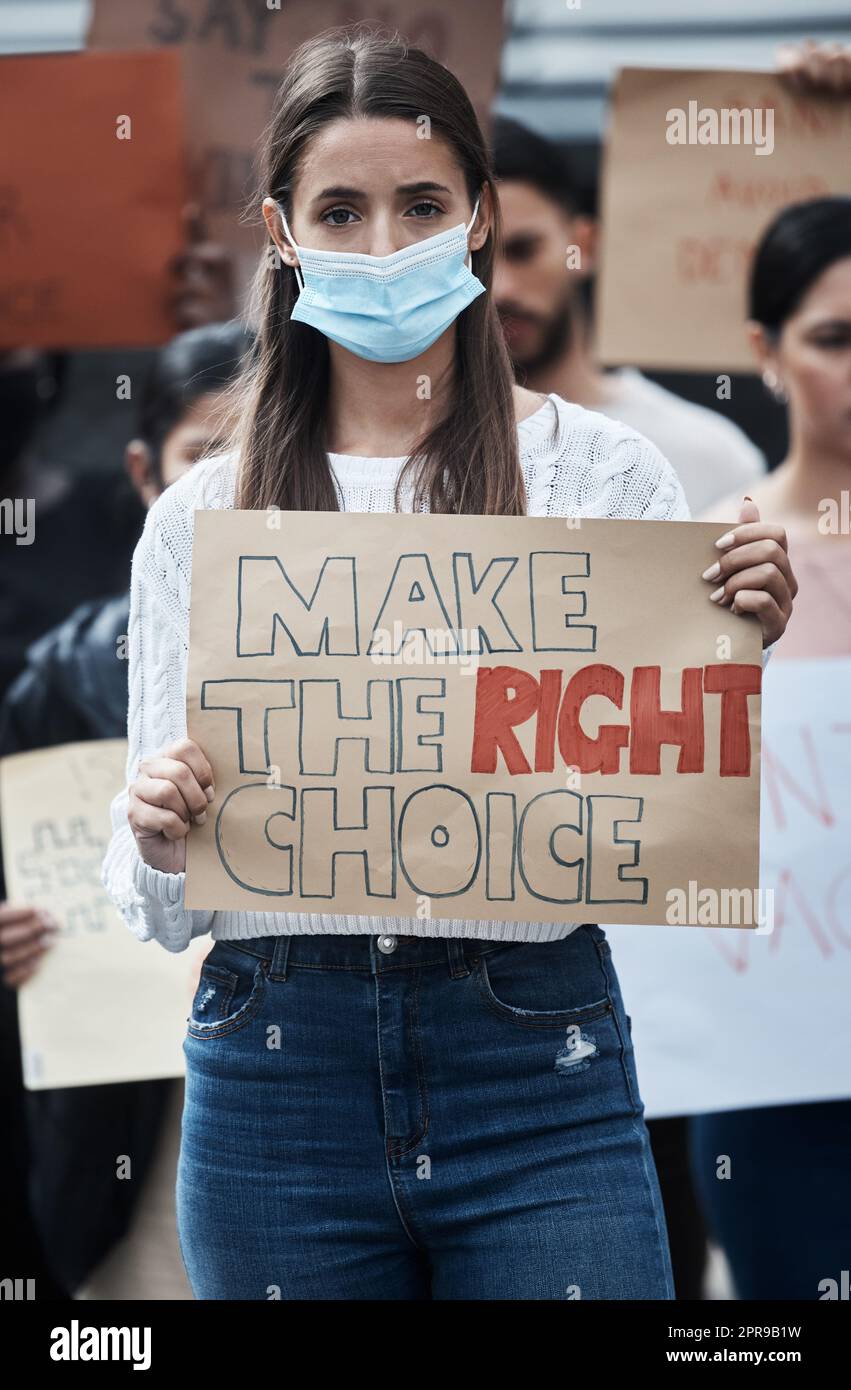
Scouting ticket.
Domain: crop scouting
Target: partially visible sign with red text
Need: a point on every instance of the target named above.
(714, 1014)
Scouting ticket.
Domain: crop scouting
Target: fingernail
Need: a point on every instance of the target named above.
(713, 572)
(199, 820)
(211, 792)
(724, 542)
(719, 593)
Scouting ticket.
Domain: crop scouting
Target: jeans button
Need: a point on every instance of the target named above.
(386, 944)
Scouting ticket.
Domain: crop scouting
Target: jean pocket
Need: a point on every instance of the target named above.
(229, 993)
(547, 985)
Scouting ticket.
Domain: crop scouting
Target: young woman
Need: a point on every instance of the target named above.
(422, 1131)
(784, 1222)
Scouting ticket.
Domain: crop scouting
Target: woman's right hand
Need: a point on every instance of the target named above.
(173, 789)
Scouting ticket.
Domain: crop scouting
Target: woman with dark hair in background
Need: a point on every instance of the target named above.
(784, 1220)
(411, 1138)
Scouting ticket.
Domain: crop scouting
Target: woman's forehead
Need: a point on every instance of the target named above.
(376, 154)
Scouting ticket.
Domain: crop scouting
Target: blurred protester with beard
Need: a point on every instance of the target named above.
(542, 287)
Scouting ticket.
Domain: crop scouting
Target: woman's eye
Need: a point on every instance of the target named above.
(838, 339)
(338, 217)
(425, 209)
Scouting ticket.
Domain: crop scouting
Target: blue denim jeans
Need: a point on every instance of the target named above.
(416, 1118)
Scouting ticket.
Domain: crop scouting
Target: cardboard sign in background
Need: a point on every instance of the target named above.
(88, 221)
(102, 1006)
(233, 59)
(283, 687)
(679, 222)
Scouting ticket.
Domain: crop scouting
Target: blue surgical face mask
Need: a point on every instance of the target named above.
(386, 308)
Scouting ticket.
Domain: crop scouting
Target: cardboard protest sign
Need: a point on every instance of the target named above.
(468, 717)
(102, 1006)
(233, 58)
(722, 1020)
(696, 166)
(91, 191)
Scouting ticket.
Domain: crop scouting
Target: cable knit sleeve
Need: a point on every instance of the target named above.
(650, 489)
(595, 467)
(150, 901)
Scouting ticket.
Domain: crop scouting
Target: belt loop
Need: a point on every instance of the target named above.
(458, 966)
(280, 956)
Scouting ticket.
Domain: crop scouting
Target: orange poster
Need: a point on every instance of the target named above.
(91, 191)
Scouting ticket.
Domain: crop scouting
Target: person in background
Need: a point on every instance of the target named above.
(785, 1222)
(74, 687)
(67, 536)
(71, 535)
(542, 296)
(82, 521)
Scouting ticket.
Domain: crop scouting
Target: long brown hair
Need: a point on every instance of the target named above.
(468, 461)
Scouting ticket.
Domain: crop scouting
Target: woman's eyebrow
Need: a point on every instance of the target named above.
(339, 190)
(426, 186)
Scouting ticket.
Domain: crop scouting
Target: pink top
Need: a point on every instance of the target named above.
(820, 625)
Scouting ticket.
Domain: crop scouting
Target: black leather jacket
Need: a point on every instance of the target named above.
(74, 687)
(74, 683)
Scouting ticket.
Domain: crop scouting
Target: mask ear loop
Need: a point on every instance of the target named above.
(468, 259)
(291, 239)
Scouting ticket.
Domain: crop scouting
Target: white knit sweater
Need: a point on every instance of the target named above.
(575, 463)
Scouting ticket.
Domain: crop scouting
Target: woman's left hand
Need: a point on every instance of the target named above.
(753, 573)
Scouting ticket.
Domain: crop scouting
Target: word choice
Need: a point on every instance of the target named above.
(439, 840)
